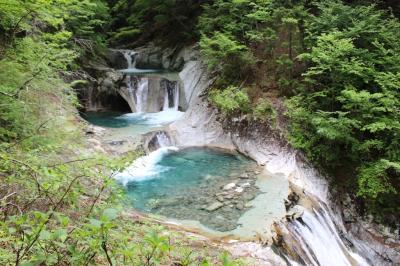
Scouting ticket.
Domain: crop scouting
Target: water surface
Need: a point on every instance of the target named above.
(185, 184)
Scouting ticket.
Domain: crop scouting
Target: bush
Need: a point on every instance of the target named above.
(264, 111)
(231, 100)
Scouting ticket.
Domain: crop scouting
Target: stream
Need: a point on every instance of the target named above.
(218, 192)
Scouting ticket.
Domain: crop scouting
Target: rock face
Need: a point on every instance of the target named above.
(100, 92)
(154, 57)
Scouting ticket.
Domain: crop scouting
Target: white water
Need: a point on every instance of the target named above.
(163, 140)
(176, 99)
(154, 119)
(175, 103)
(318, 236)
(141, 94)
(129, 56)
(321, 242)
(145, 167)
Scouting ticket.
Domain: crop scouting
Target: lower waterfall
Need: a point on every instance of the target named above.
(141, 94)
(171, 95)
(319, 240)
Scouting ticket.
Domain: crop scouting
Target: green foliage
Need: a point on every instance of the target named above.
(59, 203)
(239, 38)
(231, 100)
(166, 22)
(224, 49)
(264, 111)
(348, 116)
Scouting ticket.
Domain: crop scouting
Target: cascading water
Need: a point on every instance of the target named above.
(146, 98)
(319, 240)
(171, 95)
(130, 58)
(137, 87)
(141, 94)
(163, 140)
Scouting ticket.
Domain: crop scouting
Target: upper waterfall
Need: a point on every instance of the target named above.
(147, 91)
(130, 58)
(141, 94)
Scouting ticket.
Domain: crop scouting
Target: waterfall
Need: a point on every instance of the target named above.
(176, 99)
(141, 95)
(163, 140)
(171, 95)
(144, 93)
(146, 167)
(129, 56)
(130, 88)
(320, 241)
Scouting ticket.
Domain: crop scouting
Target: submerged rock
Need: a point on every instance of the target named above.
(214, 206)
(239, 189)
(244, 176)
(229, 186)
(240, 206)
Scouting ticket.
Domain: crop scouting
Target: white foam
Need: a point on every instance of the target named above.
(146, 167)
(154, 119)
(319, 236)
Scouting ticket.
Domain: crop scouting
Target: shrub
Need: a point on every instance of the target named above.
(264, 111)
(230, 100)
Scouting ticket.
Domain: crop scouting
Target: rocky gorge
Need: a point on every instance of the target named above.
(315, 224)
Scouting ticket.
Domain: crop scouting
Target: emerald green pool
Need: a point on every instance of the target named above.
(187, 184)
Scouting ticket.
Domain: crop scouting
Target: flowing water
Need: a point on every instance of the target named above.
(141, 95)
(138, 80)
(320, 241)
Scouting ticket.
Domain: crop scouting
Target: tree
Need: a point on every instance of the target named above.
(347, 118)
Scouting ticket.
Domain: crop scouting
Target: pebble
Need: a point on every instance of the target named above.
(220, 198)
(240, 206)
(248, 205)
(244, 176)
(214, 206)
(229, 196)
(239, 190)
(229, 186)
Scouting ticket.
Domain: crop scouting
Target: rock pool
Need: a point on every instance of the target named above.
(211, 186)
